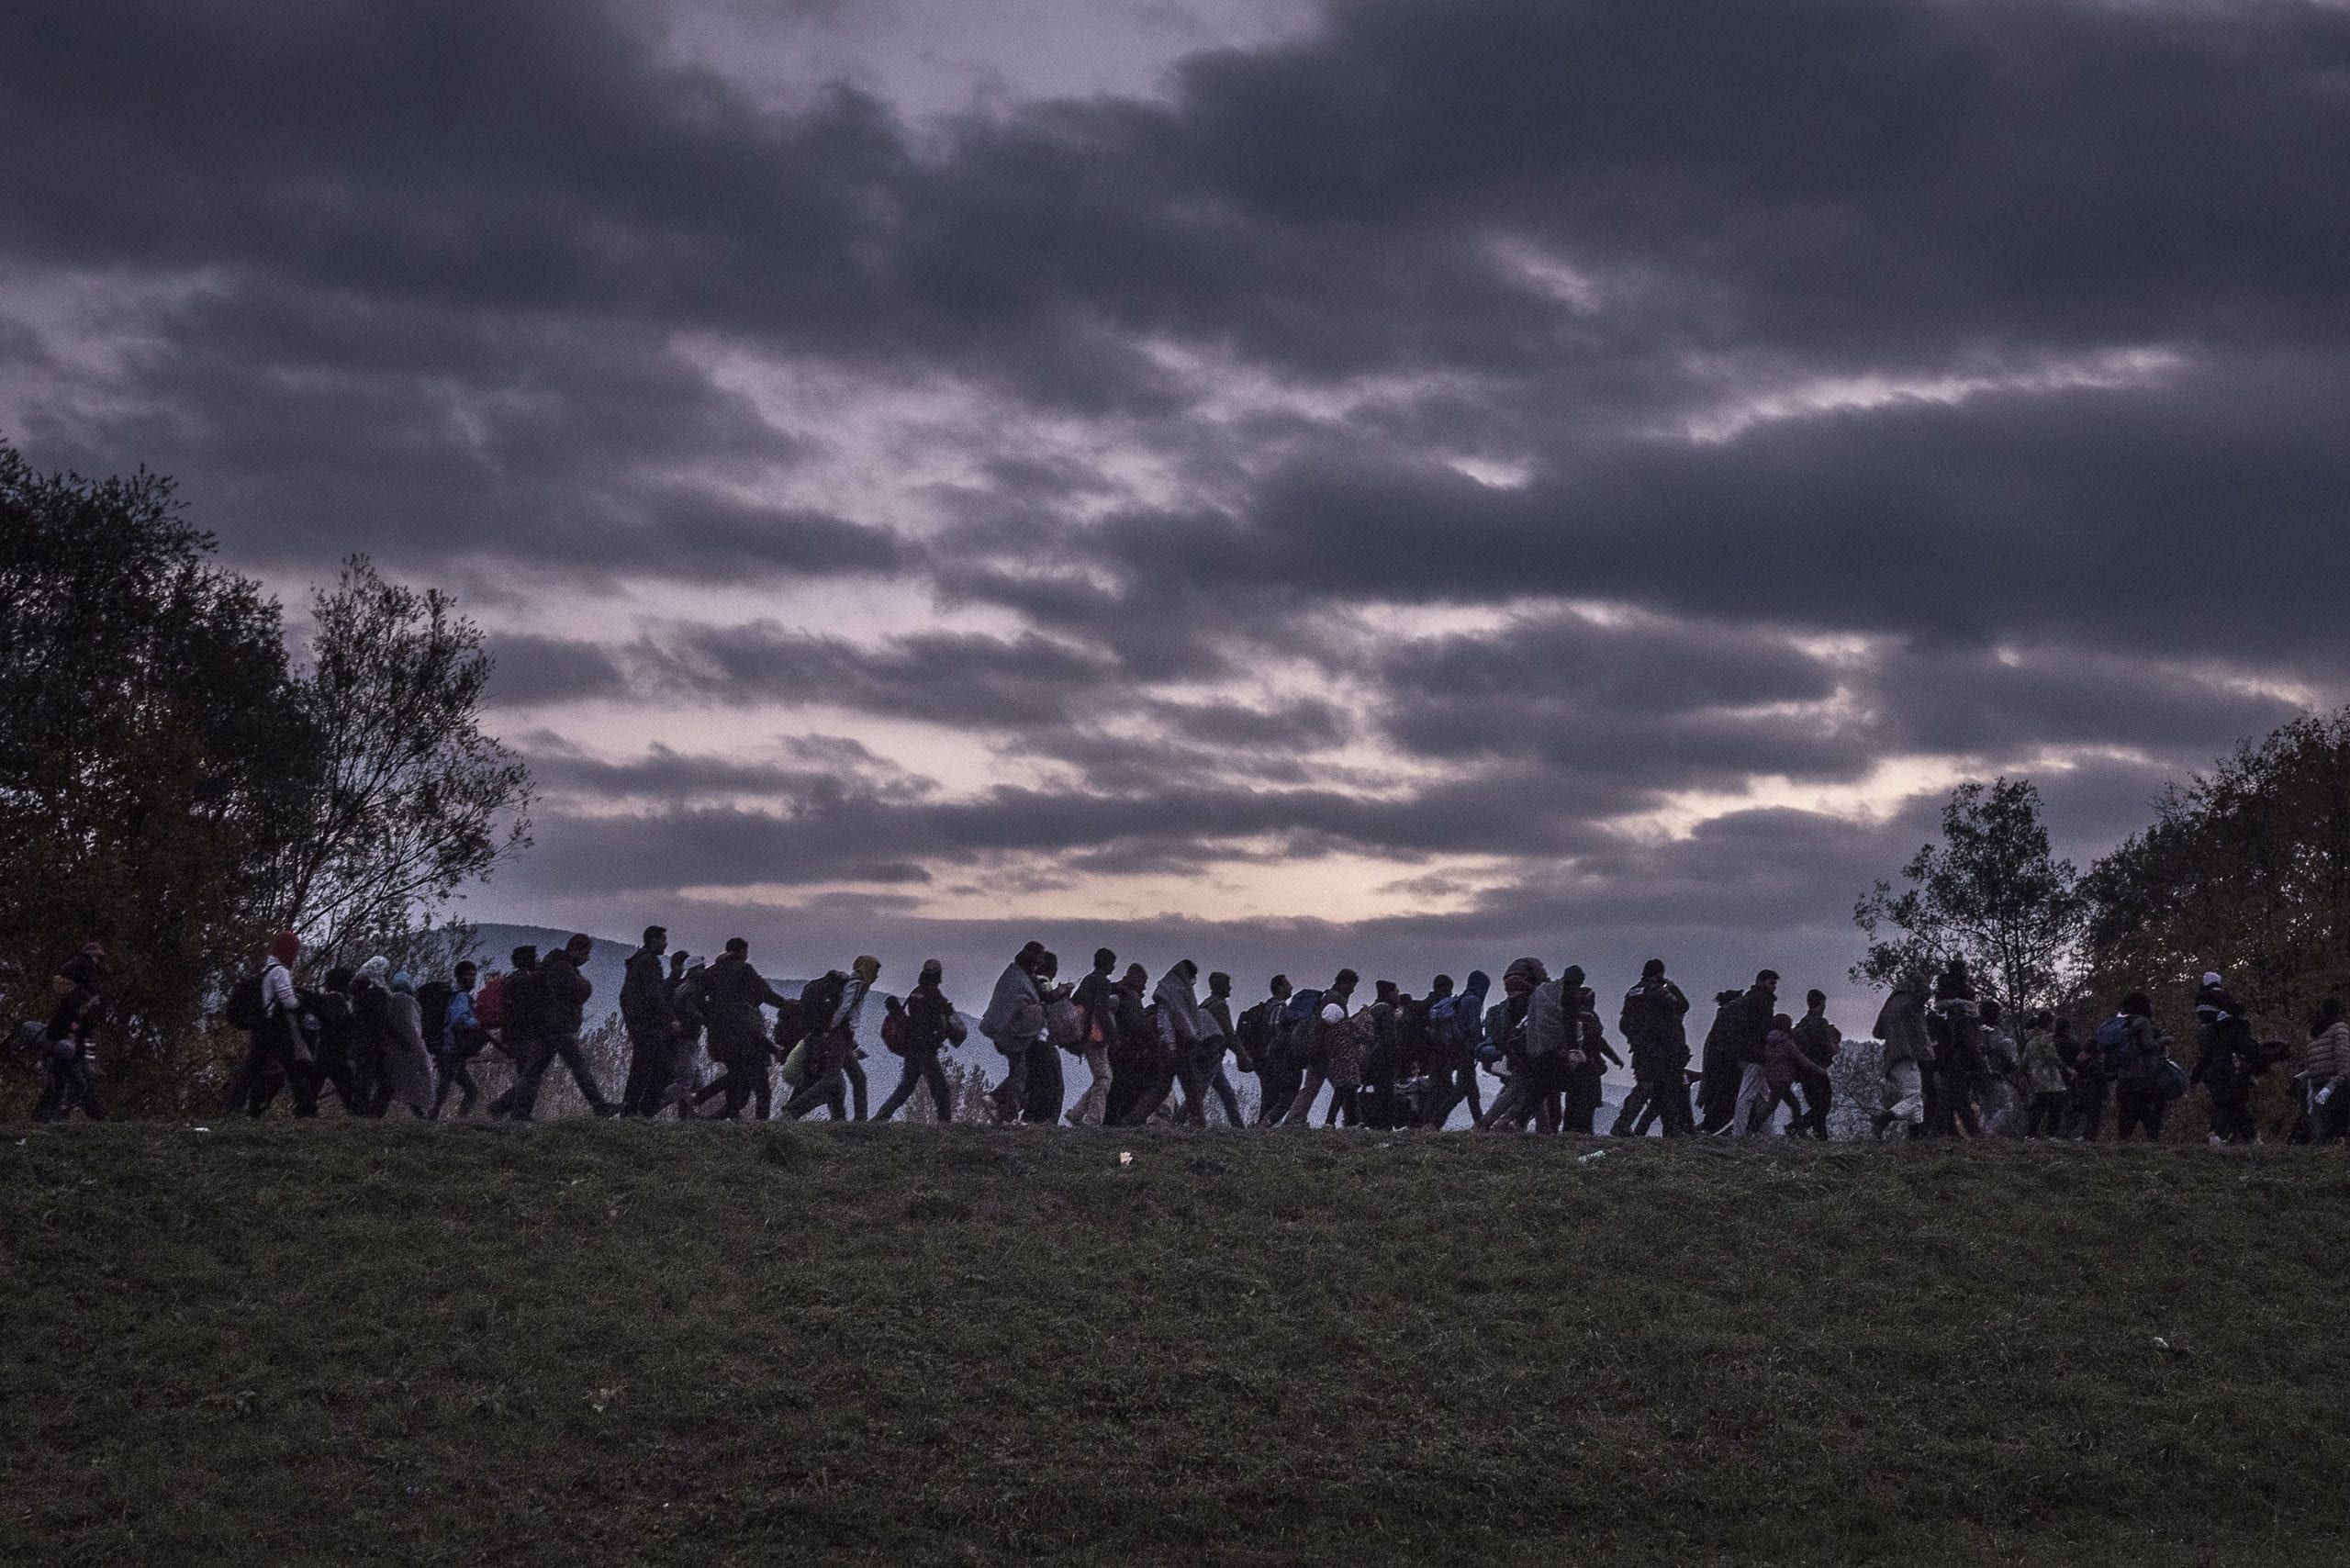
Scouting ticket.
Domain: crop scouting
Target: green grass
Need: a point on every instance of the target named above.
(589, 1342)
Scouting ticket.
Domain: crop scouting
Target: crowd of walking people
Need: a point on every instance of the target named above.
(710, 1039)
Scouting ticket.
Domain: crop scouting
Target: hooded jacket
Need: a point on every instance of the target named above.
(1016, 1014)
(1902, 1025)
(1179, 1006)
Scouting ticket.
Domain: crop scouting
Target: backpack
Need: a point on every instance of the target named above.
(432, 1001)
(244, 1009)
(1253, 1028)
(1065, 1025)
(489, 1003)
(819, 999)
(893, 1033)
(29, 1036)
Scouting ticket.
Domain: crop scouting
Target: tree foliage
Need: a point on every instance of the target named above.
(1992, 891)
(2245, 870)
(173, 788)
(149, 740)
(406, 800)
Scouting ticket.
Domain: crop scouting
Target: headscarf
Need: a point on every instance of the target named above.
(378, 968)
(403, 984)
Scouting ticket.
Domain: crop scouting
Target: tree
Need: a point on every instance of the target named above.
(2245, 870)
(404, 798)
(1991, 892)
(149, 744)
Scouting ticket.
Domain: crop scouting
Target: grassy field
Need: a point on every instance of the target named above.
(589, 1342)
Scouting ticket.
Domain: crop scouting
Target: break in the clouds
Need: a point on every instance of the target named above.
(1411, 480)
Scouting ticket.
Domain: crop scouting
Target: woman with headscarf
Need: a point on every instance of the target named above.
(407, 1065)
(831, 1045)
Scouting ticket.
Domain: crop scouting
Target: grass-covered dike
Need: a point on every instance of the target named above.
(598, 1343)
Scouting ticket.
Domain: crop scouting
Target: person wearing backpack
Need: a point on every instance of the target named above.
(1097, 1037)
(71, 1051)
(2227, 1062)
(2135, 1046)
(1139, 1076)
(1652, 1022)
(928, 1028)
(270, 1011)
(1278, 1072)
(1046, 1090)
(561, 995)
(832, 1041)
(651, 1026)
(726, 999)
(1585, 1063)
(1455, 1024)
(1333, 1054)
(2047, 1072)
(459, 1038)
(1013, 1023)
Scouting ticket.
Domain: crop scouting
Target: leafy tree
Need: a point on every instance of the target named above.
(405, 800)
(1991, 890)
(2245, 870)
(148, 742)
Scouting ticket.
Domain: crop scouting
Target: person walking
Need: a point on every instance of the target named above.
(725, 1001)
(1819, 1042)
(651, 1026)
(2139, 1053)
(561, 997)
(1905, 1055)
(1333, 1055)
(1216, 1037)
(1757, 1006)
(2325, 1068)
(69, 1043)
(276, 1046)
(408, 1063)
(1456, 1025)
(1014, 1023)
(1653, 1024)
(1180, 1036)
(2046, 1078)
(1279, 1070)
(461, 1039)
(930, 1028)
(831, 1044)
(1097, 1012)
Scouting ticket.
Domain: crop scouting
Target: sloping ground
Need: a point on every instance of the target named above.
(415, 1344)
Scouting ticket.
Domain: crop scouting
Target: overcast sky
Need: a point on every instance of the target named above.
(1280, 484)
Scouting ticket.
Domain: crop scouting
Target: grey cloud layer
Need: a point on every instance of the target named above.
(442, 280)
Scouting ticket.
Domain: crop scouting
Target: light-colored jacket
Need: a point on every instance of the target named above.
(1016, 1014)
(2044, 1064)
(408, 1063)
(1179, 1007)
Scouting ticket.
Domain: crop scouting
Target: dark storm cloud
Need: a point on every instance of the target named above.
(450, 281)
(528, 670)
